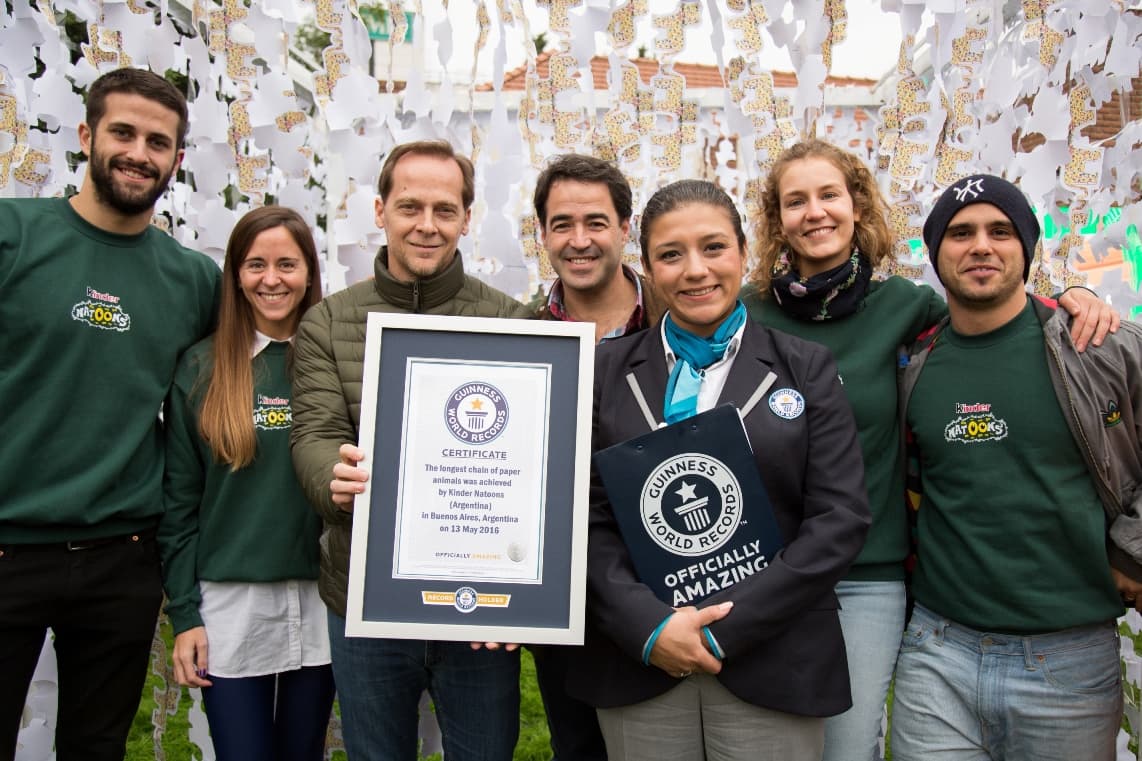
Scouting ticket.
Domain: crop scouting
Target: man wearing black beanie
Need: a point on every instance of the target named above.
(1029, 530)
(988, 189)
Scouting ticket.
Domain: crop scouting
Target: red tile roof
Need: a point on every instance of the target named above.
(697, 75)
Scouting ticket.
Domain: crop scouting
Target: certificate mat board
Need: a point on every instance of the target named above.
(473, 523)
(691, 506)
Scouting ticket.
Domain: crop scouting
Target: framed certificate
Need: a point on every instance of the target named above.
(473, 524)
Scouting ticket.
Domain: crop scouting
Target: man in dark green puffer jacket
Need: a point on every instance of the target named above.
(426, 193)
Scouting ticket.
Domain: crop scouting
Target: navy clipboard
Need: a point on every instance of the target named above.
(691, 506)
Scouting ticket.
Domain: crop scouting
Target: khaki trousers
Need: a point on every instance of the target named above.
(701, 719)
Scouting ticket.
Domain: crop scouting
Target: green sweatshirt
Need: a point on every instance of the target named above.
(1009, 505)
(866, 347)
(250, 525)
(93, 326)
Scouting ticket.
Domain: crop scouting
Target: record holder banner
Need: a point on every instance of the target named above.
(473, 524)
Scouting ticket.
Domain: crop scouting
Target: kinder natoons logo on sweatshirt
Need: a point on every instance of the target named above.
(272, 413)
(101, 310)
(975, 423)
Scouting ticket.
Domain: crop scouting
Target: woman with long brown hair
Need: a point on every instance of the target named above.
(239, 542)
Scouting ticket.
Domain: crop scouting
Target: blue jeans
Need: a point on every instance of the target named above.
(379, 683)
(872, 620)
(277, 717)
(968, 695)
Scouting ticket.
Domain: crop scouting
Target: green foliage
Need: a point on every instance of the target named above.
(373, 15)
(1131, 693)
(311, 40)
(75, 30)
(534, 741)
(181, 82)
(176, 740)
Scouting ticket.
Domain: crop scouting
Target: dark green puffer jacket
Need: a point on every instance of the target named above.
(328, 364)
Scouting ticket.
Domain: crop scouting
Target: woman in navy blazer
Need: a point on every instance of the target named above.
(753, 671)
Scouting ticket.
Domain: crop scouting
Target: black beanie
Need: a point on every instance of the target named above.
(983, 188)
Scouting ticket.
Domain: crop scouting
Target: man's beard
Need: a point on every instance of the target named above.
(984, 299)
(121, 199)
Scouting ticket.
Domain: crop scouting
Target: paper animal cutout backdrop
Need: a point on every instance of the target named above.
(1045, 92)
(1028, 90)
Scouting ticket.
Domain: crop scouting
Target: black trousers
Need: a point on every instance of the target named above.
(101, 603)
(574, 727)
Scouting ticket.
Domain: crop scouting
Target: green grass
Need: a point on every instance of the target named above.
(1130, 691)
(174, 741)
(533, 742)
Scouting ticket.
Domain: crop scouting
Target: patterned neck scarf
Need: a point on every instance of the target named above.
(830, 295)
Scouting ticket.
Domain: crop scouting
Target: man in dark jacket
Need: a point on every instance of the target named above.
(426, 193)
(1028, 528)
(584, 209)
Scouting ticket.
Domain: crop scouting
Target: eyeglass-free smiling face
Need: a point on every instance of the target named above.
(817, 214)
(980, 258)
(423, 215)
(583, 236)
(696, 265)
(274, 278)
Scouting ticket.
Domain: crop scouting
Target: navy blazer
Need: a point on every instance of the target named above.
(782, 640)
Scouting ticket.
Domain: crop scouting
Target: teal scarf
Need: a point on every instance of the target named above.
(694, 354)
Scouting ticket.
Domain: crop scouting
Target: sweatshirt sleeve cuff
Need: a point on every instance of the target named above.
(649, 646)
(712, 641)
(1121, 560)
(183, 617)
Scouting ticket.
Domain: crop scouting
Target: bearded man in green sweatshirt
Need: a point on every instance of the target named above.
(96, 306)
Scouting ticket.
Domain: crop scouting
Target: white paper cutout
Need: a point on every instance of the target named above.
(959, 116)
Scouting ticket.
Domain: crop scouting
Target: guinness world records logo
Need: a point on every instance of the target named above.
(691, 504)
(476, 413)
(466, 599)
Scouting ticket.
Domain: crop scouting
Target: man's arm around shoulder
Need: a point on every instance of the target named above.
(1116, 367)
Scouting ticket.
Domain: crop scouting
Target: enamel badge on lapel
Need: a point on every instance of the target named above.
(787, 403)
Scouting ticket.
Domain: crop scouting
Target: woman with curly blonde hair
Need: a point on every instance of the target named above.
(820, 235)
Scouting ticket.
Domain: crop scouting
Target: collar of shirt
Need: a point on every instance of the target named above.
(261, 341)
(559, 312)
(714, 376)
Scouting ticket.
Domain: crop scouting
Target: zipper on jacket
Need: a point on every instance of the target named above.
(416, 295)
